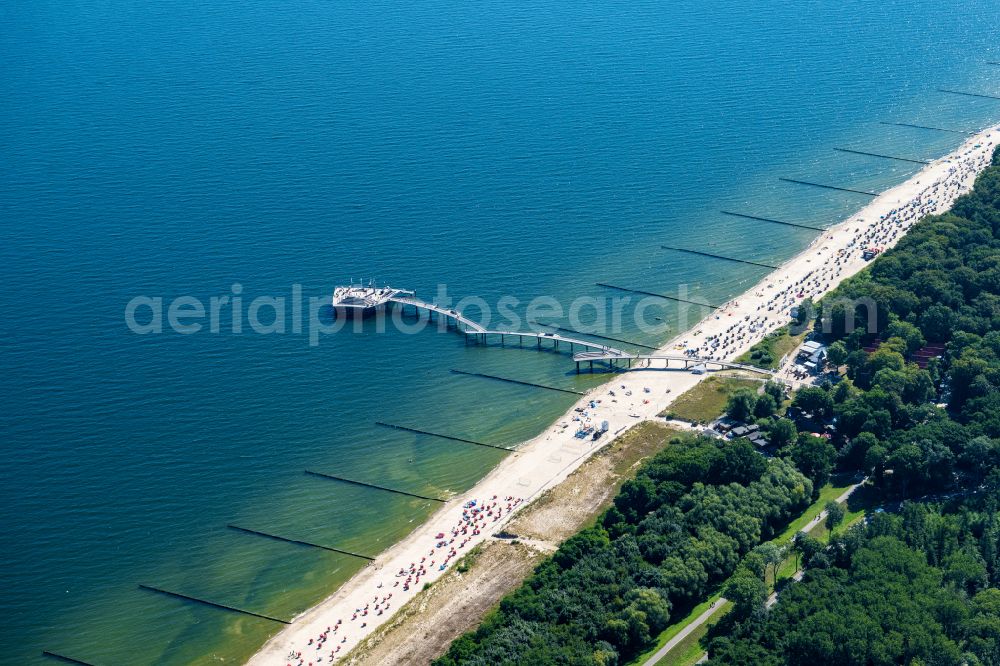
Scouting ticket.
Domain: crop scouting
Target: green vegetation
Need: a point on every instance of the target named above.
(690, 654)
(675, 629)
(920, 587)
(706, 400)
(918, 411)
(689, 651)
(767, 353)
(676, 530)
(751, 404)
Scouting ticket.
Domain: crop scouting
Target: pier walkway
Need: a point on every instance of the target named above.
(689, 362)
(595, 351)
(472, 328)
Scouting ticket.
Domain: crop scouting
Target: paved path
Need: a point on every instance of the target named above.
(685, 632)
(771, 600)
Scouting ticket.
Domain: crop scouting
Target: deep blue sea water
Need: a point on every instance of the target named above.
(172, 149)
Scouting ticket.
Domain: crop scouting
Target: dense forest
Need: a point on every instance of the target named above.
(915, 406)
(915, 588)
(678, 528)
(918, 587)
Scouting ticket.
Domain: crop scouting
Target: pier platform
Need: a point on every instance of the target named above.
(361, 298)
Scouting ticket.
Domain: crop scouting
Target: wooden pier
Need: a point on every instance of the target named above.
(453, 316)
(829, 187)
(617, 359)
(688, 362)
(474, 330)
(594, 335)
(213, 604)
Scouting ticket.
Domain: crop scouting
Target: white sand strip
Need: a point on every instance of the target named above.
(352, 612)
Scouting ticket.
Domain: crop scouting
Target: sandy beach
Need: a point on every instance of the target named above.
(328, 631)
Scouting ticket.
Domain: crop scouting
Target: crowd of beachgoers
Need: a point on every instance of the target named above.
(781, 295)
(327, 632)
(476, 517)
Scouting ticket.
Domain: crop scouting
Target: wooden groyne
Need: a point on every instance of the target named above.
(214, 604)
(968, 94)
(829, 187)
(772, 221)
(717, 256)
(594, 335)
(298, 542)
(440, 436)
(653, 293)
(886, 157)
(372, 485)
(929, 127)
(63, 658)
(516, 381)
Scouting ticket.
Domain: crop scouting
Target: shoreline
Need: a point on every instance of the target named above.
(329, 630)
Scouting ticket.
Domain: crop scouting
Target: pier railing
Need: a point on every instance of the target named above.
(595, 352)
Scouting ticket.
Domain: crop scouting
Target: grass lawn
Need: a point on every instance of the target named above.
(675, 629)
(767, 353)
(806, 523)
(851, 518)
(706, 400)
(830, 491)
(689, 650)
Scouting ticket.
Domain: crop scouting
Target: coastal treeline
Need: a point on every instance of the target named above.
(911, 401)
(915, 588)
(920, 586)
(678, 528)
(937, 304)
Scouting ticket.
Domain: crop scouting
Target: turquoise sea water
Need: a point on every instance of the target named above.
(170, 149)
